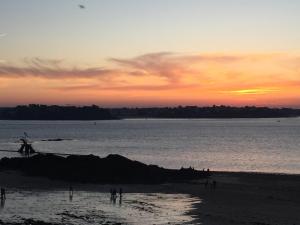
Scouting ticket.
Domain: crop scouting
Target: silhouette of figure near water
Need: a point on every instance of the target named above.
(120, 195)
(3, 195)
(206, 184)
(71, 190)
(214, 184)
(113, 195)
(70, 193)
(2, 203)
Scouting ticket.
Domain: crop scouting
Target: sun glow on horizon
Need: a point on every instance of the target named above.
(157, 79)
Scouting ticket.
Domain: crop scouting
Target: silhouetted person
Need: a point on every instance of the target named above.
(71, 190)
(70, 193)
(206, 184)
(2, 203)
(214, 184)
(111, 194)
(3, 195)
(121, 192)
(114, 195)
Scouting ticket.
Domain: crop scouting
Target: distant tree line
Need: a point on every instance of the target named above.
(54, 112)
(205, 112)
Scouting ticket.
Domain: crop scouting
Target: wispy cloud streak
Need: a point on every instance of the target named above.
(50, 69)
(228, 74)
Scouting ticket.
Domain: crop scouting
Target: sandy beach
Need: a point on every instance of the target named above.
(239, 198)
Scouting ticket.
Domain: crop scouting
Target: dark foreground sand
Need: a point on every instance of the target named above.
(239, 198)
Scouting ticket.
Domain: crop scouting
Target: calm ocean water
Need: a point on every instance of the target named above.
(263, 145)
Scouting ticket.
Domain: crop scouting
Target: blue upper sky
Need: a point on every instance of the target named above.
(122, 28)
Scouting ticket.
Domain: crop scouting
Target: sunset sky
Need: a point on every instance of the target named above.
(150, 52)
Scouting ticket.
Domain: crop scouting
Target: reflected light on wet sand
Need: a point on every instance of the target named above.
(93, 207)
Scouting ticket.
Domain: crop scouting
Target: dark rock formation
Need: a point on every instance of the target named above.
(90, 168)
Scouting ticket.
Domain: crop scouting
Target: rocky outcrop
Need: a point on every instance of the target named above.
(90, 168)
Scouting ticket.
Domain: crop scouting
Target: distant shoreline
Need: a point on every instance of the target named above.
(91, 113)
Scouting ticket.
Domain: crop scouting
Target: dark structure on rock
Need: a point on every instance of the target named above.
(26, 148)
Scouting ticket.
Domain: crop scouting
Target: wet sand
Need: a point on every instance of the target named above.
(254, 199)
(239, 198)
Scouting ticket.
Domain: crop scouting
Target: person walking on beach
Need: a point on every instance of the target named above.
(111, 194)
(120, 195)
(2, 203)
(3, 196)
(114, 195)
(71, 190)
(214, 184)
(70, 193)
(206, 184)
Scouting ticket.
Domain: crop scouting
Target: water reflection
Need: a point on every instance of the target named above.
(93, 207)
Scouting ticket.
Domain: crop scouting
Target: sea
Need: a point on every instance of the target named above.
(254, 145)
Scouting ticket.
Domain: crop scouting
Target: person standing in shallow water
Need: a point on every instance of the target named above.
(120, 195)
(3, 195)
(206, 184)
(71, 193)
(214, 184)
(71, 190)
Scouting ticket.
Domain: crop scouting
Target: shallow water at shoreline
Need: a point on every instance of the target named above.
(259, 145)
(94, 208)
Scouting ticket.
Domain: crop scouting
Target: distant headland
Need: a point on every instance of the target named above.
(93, 112)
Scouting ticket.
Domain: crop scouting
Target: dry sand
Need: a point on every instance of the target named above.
(239, 198)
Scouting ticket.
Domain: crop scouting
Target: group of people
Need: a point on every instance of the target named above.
(114, 196)
(212, 184)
